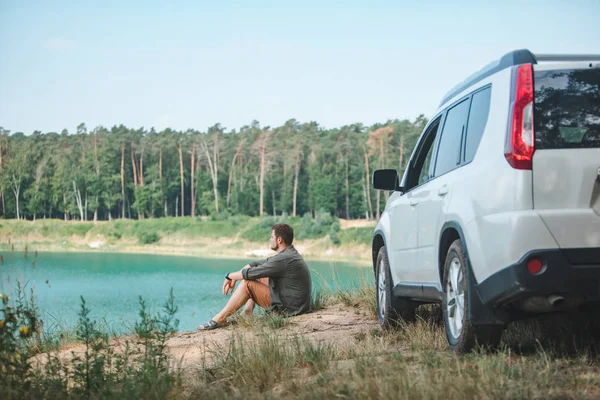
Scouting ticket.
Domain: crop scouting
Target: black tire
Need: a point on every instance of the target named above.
(465, 338)
(390, 310)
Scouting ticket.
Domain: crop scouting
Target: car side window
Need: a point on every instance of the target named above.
(420, 168)
(449, 149)
(478, 116)
(426, 169)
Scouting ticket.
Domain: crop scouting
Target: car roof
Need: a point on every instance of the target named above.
(516, 57)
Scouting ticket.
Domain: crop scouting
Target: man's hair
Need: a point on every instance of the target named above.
(285, 232)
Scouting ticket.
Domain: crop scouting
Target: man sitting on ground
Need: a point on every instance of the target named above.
(279, 283)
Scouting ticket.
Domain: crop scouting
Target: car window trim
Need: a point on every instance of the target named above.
(466, 137)
(468, 97)
(455, 104)
(439, 119)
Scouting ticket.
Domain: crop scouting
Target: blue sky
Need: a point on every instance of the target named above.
(193, 64)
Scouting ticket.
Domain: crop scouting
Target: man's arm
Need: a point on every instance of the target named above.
(237, 276)
(229, 284)
(275, 267)
(272, 267)
(257, 263)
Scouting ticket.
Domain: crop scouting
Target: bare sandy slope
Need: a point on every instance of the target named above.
(336, 325)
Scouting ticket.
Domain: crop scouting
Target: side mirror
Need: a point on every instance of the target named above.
(385, 179)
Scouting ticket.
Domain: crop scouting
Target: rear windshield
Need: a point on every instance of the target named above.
(567, 109)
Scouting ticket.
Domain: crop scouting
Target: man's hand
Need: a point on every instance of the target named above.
(228, 286)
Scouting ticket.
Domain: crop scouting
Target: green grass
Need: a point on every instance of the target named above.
(356, 236)
(411, 362)
(253, 229)
(552, 357)
(305, 227)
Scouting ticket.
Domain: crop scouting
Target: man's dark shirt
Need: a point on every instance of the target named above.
(289, 280)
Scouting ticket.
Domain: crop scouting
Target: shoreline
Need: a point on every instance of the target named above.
(187, 237)
(220, 252)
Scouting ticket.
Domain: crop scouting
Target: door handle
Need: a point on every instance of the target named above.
(443, 190)
(414, 202)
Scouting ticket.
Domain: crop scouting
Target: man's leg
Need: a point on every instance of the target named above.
(249, 307)
(250, 304)
(256, 291)
(237, 300)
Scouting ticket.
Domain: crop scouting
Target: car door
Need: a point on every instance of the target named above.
(417, 174)
(402, 244)
(435, 194)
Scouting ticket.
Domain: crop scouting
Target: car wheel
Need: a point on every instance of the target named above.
(390, 309)
(462, 335)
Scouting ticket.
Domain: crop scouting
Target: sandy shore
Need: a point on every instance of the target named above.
(203, 248)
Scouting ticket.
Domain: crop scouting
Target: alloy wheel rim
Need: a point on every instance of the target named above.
(455, 298)
(381, 292)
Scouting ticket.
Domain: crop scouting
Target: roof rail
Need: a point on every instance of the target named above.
(516, 57)
(567, 57)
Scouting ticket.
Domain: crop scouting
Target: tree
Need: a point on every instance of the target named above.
(120, 172)
(211, 144)
(3, 149)
(16, 170)
(261, 148)
(377, 143)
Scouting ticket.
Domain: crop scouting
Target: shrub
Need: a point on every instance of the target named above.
(335, 239)
(148, 237)
(356, 235)
(99, 372)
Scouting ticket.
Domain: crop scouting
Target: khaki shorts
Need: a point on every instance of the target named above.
(260, 292)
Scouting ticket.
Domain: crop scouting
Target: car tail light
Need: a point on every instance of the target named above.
(534, 266)
(520, 144)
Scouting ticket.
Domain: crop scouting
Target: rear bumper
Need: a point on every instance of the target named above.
(574, 272)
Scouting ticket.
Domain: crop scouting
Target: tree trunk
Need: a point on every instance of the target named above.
(78, 200)
(133, 166)
(123, 179)
(97, 164)
(162, 195)
(181, 176)
(214, 169)
(16, 191)
(365, 197)
(141, 168)
(160, 164)
(2, 185)
(262, 176)
(193, 194)
(235, 156)
(273, 199)
(401, 154)
(96, 212)
(347, 190)
(296, 174)
(368, 186)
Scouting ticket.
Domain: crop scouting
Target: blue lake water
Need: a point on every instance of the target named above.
(111, 284)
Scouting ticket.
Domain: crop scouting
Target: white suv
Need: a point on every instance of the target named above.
(497, 215)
